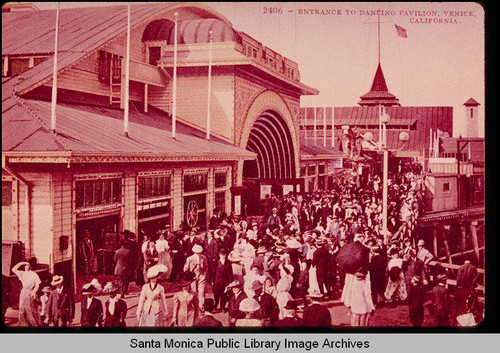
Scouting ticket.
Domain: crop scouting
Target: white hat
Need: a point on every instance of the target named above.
(293, 243)
(421, 242)
(197, 248)
(249, 305)
(155, 270)
(315, 294)
(57, 280)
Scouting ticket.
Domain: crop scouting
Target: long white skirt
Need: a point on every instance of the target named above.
(313, 280)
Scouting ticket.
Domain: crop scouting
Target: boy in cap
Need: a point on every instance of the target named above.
(416, 296)
(441, 301)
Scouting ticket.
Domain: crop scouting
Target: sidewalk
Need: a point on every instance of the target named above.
(385, 316)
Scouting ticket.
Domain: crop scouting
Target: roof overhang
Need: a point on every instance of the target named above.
(108, 157)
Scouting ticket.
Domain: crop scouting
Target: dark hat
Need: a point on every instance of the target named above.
(291, 304)
(257, 285)
(187, 279)
(209, 305)
(223, 251)
(88, 289)
(442, 277)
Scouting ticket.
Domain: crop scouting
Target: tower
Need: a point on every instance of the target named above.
(471, 118)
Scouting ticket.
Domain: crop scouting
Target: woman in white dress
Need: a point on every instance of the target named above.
(164, 257)
(313, 280)
(152, 306)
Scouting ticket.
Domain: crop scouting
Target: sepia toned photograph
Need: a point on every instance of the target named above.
(243, 165)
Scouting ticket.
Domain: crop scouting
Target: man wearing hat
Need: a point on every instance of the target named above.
(237, 296)
(274, 221)
(211, 247)
(315, 314)
(198, 264)
(223, 276)
(115, 309)
(441, 301)
(61, 305)
(91, 308)
(124, 266)
(425, 256)
(268, 311)
(290, 318)
(416, 297)
(44, 298)
(208, 319)
(320, 261)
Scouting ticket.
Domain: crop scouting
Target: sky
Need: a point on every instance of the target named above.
(440, 63)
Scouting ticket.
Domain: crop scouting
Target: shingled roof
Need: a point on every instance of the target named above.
(379, 93)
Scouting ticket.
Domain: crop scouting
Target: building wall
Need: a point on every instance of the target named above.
(192, 88)
(437, 199)
(62, 196)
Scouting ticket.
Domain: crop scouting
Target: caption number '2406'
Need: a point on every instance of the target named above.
(272, 10)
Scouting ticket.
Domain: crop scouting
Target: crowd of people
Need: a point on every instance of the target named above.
(278, 269)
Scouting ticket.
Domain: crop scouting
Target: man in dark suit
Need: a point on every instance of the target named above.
(315, 314)
(211, 247)
(441, 302)
(233, 308)
(208, 319)
(91, 309)
(320, 261)
(124, 267)
(190, 241)
(467, 275)
(60, 306)
(290, 318)
(269, 310)
(223, 276)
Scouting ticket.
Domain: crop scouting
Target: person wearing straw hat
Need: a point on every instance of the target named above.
(61, 305)
(233, 308)
(28, 310)
(198, 264)
(91, 308)
(223, 276)
(42, 312)
(152, 306)
(250, 307)
(185, 303)
(115, 308)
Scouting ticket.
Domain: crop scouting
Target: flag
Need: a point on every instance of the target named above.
(442, 134)
(401, 31)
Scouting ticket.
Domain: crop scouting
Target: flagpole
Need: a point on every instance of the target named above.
(324, 126)
(379, 39)
(209, 84)
(174, 83)
(333, 127)
(127, 77)
(315, 132)
(53, 117)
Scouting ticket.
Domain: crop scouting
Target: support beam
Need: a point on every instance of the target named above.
(146, 89)
(434, 241)
(464, 237)
(475, 242)
(446, 232)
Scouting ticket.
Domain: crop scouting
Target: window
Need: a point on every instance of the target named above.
(220, 201)
(154, 55)
(446, 187)
(6, 193)
(254, 52)
(321, 169)
(311, 170)
(110, 66)
(153, 186)
(97, 192)
(220, 179)
(303, 171)
(17, 66)
(195, 182)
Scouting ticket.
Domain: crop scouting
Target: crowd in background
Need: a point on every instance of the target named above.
(278, 269)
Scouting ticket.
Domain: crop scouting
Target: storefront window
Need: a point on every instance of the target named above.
(220, 179)
(195, 182)
(6, 193)
(97, 192)
(220, 201)
(154, 186)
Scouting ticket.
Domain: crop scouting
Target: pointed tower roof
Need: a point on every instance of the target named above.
(471, 102)
(379, 93)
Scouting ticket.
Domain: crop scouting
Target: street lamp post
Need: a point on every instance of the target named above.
(382, 147)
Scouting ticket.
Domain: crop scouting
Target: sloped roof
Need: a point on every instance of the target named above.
(474, 146)
(309, 150)
(471, 101)
(93, 130)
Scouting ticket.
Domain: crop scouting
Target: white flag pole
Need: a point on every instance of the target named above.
(209, 83)
(315, 131)
(54, 75)
(324, 126)
(127, 77)
(174, 90)
(333, 127)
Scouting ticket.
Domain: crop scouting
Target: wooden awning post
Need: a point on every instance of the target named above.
(434, 241)
(464, 237)
(446, 233)
(473, 226)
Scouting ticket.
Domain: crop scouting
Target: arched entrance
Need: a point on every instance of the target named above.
(274, 166)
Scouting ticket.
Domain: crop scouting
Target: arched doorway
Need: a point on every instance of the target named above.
(274, 166)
